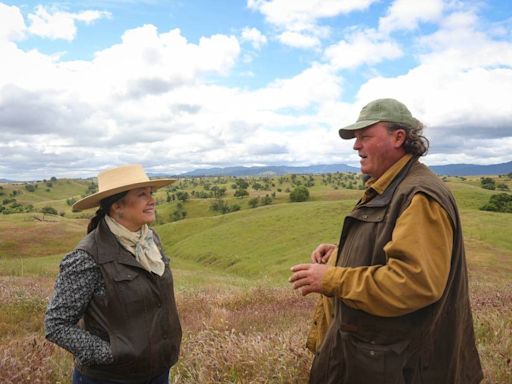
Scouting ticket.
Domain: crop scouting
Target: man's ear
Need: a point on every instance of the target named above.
(399, 136)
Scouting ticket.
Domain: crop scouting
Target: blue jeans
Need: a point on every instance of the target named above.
(79, 378)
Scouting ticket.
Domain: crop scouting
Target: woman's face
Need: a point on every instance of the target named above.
(135, 209)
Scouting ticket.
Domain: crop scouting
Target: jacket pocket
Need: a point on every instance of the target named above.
(127, 286)
(124, 356)
(368, 362)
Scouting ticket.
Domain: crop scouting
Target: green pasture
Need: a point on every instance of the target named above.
(251, 243)
(231, 270)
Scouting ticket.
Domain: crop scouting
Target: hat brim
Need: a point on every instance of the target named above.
(93, 200)
(348, 131)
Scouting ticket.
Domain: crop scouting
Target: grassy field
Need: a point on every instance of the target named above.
(242, 322)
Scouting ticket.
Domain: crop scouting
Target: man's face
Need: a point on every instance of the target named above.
(378, 148)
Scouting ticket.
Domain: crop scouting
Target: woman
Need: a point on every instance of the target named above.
(113, 307)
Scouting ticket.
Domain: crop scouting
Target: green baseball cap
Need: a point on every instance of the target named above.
(389, 110)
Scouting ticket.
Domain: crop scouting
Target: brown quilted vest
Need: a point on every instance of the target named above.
(435, 344)
(137, 316)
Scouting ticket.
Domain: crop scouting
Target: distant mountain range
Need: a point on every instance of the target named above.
(277, 170)
(445, 170)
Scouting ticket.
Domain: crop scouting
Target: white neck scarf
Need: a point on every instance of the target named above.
(140, 244)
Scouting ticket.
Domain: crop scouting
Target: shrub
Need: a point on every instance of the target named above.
(49, 210)
(300, 193)
(241, 193)
(267, 200)
(488, 183)
(253, 203)
(221, 206)
(502, 202)
(71, 201)
(182, 196)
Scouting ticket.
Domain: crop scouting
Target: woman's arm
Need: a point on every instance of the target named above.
(78, 280)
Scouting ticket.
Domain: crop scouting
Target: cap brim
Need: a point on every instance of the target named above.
(93, 200)
(348, 131)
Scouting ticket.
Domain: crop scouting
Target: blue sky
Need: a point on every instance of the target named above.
(180, 85)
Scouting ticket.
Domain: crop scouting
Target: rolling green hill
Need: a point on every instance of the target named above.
(231, 273)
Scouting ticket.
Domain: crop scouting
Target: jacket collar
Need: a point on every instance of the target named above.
(109, 248)
(392, 181)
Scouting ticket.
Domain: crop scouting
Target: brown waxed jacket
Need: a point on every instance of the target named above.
(137, 316)
(435, 344)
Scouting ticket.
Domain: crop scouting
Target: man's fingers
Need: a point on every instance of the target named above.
(300, 267)
(301, 274)
(300, 283)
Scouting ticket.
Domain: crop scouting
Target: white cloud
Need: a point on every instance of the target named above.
(288, 13)
(297, 21)
(460, 44)
(12, 25)
(254, 36)
(298, 40)
(406, 14)
(159, 98)
(59, 24)
(363, 47)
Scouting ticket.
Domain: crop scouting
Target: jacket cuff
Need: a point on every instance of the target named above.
(332, 280)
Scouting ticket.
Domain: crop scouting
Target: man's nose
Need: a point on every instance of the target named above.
(357, 145)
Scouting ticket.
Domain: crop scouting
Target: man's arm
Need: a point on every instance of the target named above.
(414, 276)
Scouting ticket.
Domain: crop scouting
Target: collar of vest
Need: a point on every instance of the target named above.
(384, 198)
(109, 249)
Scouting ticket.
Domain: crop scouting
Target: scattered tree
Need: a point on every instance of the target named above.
(300, 193)
(49, 210)
(241, 193)
(488, 183)
(501, 202)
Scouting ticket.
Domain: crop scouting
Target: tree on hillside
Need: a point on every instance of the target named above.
(253, 203)
(221, 206)
(49, 210)
(241, 193)
(179, 213)
(488, 183)
(501, 202)
(240, 184)
(267, 200)
(71, 201)
(182, 196)
(300, 193)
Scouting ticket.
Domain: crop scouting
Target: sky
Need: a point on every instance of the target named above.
(185, 84)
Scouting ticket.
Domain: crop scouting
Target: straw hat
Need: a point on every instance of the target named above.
(116, 180)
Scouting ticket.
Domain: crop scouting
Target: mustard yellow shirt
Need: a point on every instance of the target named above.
(418, 259)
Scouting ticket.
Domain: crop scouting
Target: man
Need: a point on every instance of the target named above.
(398, 281)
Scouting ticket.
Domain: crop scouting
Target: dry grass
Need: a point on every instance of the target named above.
(251, 336)
(33, 360)
(492, 316)
(231, 335)
(29, 237)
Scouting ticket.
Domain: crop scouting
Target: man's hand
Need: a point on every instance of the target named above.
(308, 277)
(322, 253)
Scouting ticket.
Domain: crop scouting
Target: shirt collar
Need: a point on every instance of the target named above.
(379, 185)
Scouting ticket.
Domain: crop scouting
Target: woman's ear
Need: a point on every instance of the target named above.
(116, 210)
